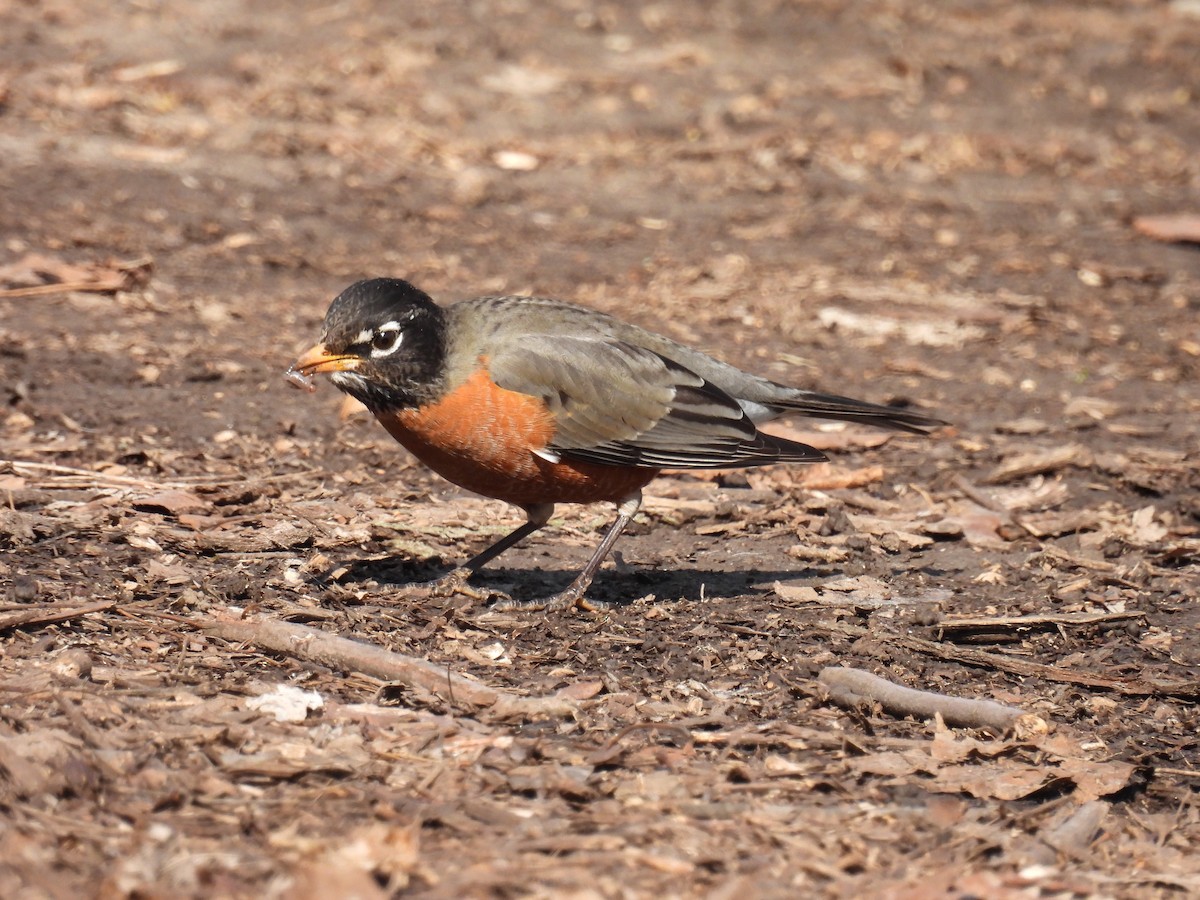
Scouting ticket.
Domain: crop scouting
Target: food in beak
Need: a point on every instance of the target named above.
(316, 361)
(299, 379)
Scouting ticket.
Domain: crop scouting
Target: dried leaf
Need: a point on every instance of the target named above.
(1011, 782)
(580, 690)
(979, 526)
(287, 703)
(1144, 530)
(796, 593)
(1094, 780)
(1037, 462)
(829, 477)
(171, 502)
(891, 764)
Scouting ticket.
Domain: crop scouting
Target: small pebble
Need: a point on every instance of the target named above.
(74, 663)
(926, 614)
(24, 589)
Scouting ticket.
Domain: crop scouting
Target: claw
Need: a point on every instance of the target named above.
(456, 582)
(453, 582)
(554, 603)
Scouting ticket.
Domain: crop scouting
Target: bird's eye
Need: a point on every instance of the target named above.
(385, 340)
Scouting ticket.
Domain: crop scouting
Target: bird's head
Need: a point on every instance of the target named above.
(384, 343)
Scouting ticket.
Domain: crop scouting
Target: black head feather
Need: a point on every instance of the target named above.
(399, 336)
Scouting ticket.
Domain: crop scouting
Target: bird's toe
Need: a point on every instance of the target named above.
(563, 600)
(457, 582)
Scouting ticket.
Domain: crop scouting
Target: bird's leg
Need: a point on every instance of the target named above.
(455, 582)
(574, 595)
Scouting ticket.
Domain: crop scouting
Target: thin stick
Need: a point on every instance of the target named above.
(1097, 565)
(89, 477)
(984, 499)
(851, 687)
(1134, 687)
(62, 287)
(948, 629)
(314, 645)
(86, 474)
(47, 615)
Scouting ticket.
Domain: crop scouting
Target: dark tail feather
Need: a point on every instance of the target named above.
(831, 406)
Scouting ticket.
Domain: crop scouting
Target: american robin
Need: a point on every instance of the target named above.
(538, 402)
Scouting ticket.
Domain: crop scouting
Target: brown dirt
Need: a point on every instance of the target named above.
(894, 200)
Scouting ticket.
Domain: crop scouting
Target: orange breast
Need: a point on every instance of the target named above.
(483, 438)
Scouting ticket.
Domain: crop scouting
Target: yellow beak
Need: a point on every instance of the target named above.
(318, 359)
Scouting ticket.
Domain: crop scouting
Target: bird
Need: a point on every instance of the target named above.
(536, 402)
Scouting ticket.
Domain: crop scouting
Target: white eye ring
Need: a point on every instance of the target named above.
(386, 340)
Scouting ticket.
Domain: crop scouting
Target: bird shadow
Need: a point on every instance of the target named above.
(619, 586)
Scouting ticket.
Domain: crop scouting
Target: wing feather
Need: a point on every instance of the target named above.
(616, 403)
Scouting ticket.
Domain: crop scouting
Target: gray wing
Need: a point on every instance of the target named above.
(616, 403)
(762, 399)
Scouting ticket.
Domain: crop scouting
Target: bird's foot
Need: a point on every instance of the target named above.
(457, 582)
(570, 598)
(453, 582)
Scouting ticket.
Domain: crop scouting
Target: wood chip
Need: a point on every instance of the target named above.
(1172, 227)
(1038, 462)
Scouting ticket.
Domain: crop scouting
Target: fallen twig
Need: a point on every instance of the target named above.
(1180, 227)
(1137, 687)
(851, 687)
(86, 476)
(1134, 687)
(1178, 773)
(61, 287)
(978, 495)
(952, 628)
(77, 478)
(314, 645)
(47, 615)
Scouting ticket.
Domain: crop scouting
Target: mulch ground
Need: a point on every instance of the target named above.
(217, 676)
